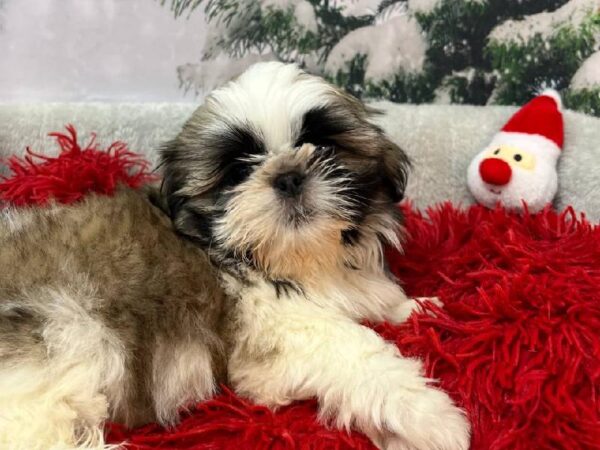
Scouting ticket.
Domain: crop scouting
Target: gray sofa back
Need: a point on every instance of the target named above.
(440, 140)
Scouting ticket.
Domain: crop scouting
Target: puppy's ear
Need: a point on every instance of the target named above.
(172, 180)
(395, 169)
(186, 212)
(154, 195)
(394, 164)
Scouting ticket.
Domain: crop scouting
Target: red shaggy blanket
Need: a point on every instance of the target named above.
(517, 344)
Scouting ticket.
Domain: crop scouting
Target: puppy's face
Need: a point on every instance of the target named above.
(282, 171)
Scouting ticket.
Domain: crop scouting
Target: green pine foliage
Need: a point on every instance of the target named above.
(457, 30)
(273, 29)
(461, 62)
(456, 33)
(179, 7)
(353, 79)
(472, 86)
(524, 68)
(403, 88)
(333, 26)
(270, 28)
(584, 100)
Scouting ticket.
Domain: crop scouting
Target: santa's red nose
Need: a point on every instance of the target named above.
(495, 171)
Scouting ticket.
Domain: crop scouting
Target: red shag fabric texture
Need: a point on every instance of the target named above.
(517, 343)
(75, 172)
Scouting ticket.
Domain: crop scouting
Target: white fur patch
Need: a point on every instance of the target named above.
(49, 408)
(181, 375)
(306, 345)
(60, 402)
(273, 97)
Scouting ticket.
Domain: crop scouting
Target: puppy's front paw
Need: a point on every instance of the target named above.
(402, 312)
(424, 420)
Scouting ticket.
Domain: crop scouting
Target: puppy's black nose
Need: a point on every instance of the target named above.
(289, 184)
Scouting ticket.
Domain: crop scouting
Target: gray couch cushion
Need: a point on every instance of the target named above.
(440, 139)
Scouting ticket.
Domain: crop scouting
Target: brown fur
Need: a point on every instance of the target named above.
(151, 289)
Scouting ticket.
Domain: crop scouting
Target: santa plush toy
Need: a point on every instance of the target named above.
(519, 165)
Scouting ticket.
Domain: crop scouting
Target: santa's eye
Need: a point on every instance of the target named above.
(497, 152)
(517, 157)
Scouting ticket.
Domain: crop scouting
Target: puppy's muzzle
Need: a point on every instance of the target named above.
(289, 184)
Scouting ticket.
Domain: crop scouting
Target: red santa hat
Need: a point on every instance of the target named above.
(537, 127)
(534, 135)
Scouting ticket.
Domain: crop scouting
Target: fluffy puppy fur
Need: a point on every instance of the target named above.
(284, 193)
(104, 313)
(290, 189)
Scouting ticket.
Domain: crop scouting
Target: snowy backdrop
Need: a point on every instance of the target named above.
(85, 50)
(462, 51)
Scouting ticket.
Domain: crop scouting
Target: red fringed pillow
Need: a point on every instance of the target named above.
(517, 343)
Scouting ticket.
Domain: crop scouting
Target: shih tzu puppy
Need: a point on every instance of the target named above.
(291, 191)
(279, 196)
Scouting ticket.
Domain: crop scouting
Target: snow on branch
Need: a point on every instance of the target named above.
(391, 46)
(573, 13)
(588, 75)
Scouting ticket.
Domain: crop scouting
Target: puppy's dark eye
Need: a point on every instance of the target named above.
(496, 152)
(323, 148)
(517, 157)
(237, 174)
